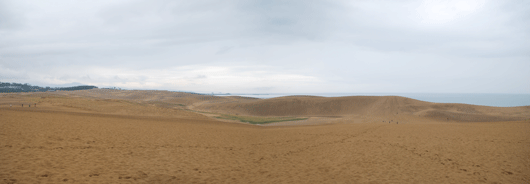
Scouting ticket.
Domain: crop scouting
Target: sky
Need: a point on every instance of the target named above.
(269, 46)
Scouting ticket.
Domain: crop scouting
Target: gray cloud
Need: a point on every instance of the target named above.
(264, 89)
(8, 18)
(290, 20)
(288, 46)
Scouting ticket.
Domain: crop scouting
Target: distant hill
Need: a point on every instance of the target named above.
(381, 106)
(16, 87)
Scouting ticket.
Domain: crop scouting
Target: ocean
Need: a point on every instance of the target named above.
(496, 100)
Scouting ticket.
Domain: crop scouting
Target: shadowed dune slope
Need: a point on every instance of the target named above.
(367, 105)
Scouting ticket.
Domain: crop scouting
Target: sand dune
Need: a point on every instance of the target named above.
(104, 137)
(367, 105)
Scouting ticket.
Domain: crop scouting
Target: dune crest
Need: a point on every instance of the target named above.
(367, 105)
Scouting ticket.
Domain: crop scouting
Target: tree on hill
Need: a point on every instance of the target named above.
(6, 87)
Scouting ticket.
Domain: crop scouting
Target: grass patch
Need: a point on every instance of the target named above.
(258, 120)
(199, 111)
(165, 104)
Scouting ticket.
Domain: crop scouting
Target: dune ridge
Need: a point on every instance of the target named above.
(371, 105)
(296, 106)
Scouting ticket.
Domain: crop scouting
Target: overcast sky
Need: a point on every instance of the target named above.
(269, 46)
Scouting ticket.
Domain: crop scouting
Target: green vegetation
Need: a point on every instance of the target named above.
(165, 104)
(16, 87)
(258, 120)
(201, 112)
(250, 119)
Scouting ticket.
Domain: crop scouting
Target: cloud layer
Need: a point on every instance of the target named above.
(471, 46)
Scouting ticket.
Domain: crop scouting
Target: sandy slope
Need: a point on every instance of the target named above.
(67, 139)
(385, 106)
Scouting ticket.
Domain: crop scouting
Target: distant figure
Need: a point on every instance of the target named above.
(29, 105)
(35, 104)
(10, 105)
(22, 105)
(397, 122)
